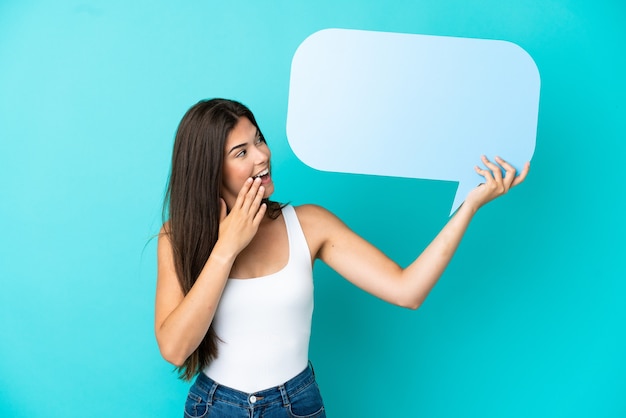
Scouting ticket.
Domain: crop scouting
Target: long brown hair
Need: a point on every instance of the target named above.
(192, 200)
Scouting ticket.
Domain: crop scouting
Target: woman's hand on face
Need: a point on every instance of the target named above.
(495, 184)
(238, 227)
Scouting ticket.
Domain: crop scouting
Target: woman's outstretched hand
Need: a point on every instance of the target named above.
(238, 227)
(495, 184)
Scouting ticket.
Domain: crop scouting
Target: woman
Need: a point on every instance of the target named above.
(234, 293)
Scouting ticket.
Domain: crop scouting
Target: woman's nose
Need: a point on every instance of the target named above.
(262, 155)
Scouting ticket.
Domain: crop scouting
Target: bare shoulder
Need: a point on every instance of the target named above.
(165, 229)
(315, 215)
(319, 226)
(310, 210)
(164, 243)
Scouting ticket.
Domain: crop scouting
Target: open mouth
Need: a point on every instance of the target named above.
(263, 174)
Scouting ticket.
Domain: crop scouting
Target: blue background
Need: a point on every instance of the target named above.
(527, 321)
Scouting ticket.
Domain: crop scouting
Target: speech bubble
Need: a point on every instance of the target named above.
(415, 106)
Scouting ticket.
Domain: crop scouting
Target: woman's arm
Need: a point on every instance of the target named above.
(182, 321)
(367, 267)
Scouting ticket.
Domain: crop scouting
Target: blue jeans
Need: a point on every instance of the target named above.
(298, 398)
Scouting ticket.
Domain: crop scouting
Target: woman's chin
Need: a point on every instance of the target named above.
(269, 190)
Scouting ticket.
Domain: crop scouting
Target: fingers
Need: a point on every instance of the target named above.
(512, 178)
(239, 225)
(495, 183)
(509, 174)
(253, 197)
(249, 189)
(250, 197)
(242, 193)
(486, 173)
(260, 214)
(522, 176)
(494, 171)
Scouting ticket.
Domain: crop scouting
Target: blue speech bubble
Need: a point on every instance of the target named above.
(412, 106)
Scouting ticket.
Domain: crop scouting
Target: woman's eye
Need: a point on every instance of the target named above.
(241, 153)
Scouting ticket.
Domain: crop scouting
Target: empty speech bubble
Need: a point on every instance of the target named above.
(414, 106)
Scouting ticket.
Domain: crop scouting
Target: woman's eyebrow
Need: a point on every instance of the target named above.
(237, 147)
(257, 135)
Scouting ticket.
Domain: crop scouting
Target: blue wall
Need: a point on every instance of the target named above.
(527, 321)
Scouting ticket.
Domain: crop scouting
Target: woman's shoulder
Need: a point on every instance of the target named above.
(165, 229)
(315, 223)
(163, 237)
(321, 227)
(316, 217)
(312, 212)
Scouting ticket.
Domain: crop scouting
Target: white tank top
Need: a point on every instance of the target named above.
(264, 323)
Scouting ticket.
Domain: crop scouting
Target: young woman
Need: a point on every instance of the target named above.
(234, 294)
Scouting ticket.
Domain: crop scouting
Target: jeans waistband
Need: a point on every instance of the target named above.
(281, 393)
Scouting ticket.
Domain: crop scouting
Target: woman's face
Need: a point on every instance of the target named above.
(245, 155)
